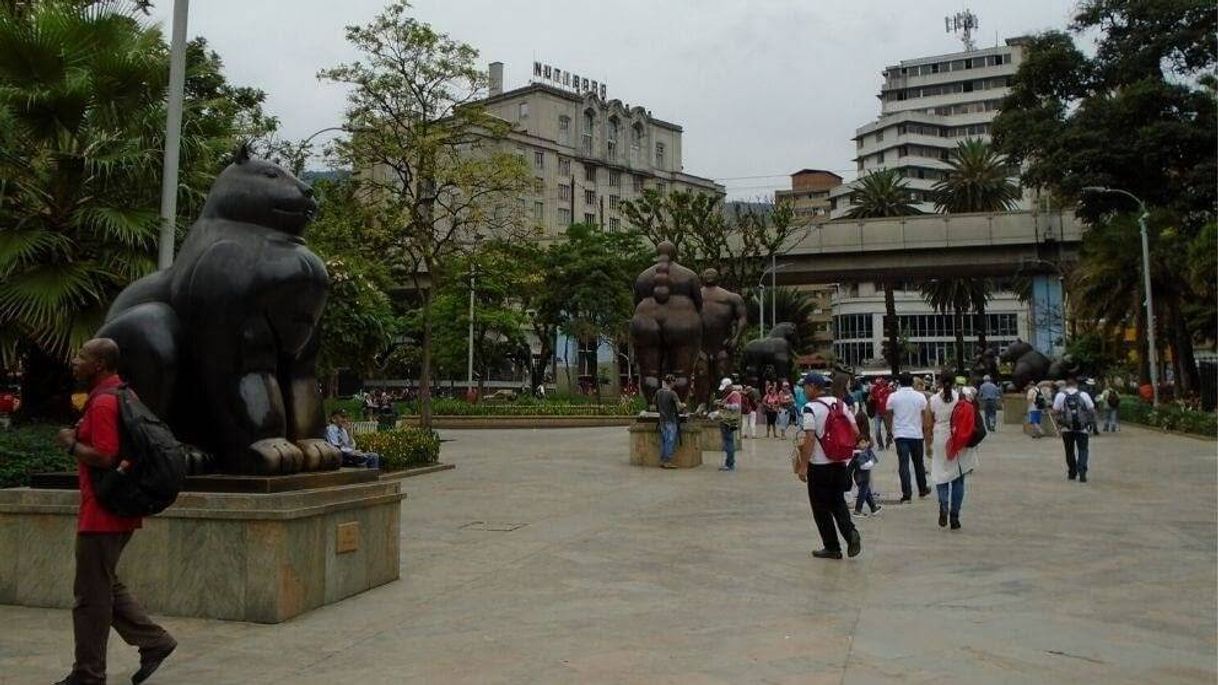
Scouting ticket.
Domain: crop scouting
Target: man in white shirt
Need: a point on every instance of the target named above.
(828, 481)
(906, 409)
(1074, 411)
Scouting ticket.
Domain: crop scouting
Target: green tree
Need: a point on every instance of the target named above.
(1139, 116)
(885, 194)
(977, 180)
(429, 159)
(357, 325)
(82, 88)
(795, 306)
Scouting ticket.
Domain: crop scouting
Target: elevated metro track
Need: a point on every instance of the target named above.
(932, 245)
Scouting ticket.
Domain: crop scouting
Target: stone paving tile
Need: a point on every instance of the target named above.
(546, 558)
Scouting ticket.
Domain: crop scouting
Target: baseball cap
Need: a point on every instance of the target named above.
(725, 384)
(815, 379)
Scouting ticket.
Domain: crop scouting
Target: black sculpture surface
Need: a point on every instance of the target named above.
(666, 330)
(223, 344)
(724, 318)
(1029, 364)
(770, 358)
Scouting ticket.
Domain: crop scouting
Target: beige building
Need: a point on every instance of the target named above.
(588, 153)
(809, 194)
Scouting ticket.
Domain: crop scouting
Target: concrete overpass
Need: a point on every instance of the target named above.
(931, 245)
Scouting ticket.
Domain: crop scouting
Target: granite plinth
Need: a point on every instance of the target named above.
(713, 440)
(1016, 413)
(645, 444)
(260, 557)
(67, 480)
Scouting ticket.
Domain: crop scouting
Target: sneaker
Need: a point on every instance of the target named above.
(942, 517)
(955, 523)
(150, 662)
(855, 545)
(904, 500)
(827, 554)
(727, 468)
(876, 510)
(1070, 476)
(923, 492)
(667, 465)
(1082, 477)
(859, 514)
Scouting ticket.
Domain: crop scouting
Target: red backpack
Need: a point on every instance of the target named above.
(841, 432)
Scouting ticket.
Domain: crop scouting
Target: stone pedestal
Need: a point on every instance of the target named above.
(645, 444)
(713, 437)
(246, 556)
(1016, 414)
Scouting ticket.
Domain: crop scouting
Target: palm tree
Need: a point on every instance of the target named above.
(978, 180)
(883, 194)
(952, 296)
(795, 306)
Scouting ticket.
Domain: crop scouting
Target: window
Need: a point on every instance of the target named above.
(586, 136)
(590, 197)
(613, 200)
(587, 357)
(539, 212)
(589, 218)
(661, 187)
(615, 223)
(523, 110)
(564, 129)
(638, 184)
(659, 155)
(539, 160)
(564, 217)
(615, 178)
(589, 173)
(848, 326)
(564, 192)
(636, 136)
(879, 136)
(564, 167)
(611, 140)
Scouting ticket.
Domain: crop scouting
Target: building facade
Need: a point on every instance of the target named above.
(587, 153)
(809, 194)
(927, 106)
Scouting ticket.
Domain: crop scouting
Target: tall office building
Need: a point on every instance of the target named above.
(927, 106)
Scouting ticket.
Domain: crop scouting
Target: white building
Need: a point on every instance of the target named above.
(927, 106)
(858, 325)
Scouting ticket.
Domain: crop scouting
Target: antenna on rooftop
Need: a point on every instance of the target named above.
(964, 22)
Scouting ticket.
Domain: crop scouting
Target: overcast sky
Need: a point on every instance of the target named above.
(761, 87)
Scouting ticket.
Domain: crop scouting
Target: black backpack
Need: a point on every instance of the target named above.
(158, 463)
(1073, 412)
(1114, 400)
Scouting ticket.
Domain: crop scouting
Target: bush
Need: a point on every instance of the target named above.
(525, 406)
(1169, 417)
(403, 448)
(29, 449)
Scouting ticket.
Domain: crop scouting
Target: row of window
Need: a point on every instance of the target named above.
(947, 89)
(970, 131)
(956, 65)
(861, 326)
(925, 355)
(612, 132)
(590, 170)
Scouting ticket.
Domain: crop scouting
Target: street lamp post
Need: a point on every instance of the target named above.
(1152, 354)
(770, 270)
(173, 134)
(473, 269)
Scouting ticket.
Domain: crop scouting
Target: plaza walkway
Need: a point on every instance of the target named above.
(545, 558)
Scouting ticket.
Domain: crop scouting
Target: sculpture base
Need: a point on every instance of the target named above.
(645, 444)
(713, 437)
(238, 556)
(64, 480)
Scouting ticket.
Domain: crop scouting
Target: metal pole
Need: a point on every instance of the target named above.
(470, 367)
(1152, 354)
(774, 289)
(761, 310)
(173, 134)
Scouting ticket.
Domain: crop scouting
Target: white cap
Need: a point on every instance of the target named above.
(725, 384)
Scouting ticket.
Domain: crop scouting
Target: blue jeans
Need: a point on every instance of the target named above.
(368, 460)
(953, 490)
(1076, 441)
(1110, 423)
(668, 440)
(728, 434)
(910, 449)
(991, 415)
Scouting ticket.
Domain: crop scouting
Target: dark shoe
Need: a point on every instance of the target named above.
(72, 679)
(1082, 476)
(942, 517)
(955, 523)
(1071, 476)
(924, 492)
(904, 500)
(855, 545)
(150, 662)
(876, 510)
(827, 554)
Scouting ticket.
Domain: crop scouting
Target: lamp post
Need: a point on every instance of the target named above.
(770, 270)
(472, 274)
(173, 134)
(1151, 354)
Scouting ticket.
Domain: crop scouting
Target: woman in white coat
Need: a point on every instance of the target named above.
(951, 461)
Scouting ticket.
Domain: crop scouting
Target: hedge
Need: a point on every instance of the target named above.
(30, 449)
(443, 406)
(1169, 417)
(403, 448)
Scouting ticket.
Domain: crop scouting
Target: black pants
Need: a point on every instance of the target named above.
(1076, 441)
(101, 602)
(910, 449)
(827, 484)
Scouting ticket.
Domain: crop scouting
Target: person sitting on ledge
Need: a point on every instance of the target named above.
(338, 433)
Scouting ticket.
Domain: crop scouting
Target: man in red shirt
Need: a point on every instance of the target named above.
(101, 600)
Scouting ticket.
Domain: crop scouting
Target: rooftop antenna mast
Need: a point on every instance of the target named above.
(965, 23)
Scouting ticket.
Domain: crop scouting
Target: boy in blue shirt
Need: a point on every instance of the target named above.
(863, 462)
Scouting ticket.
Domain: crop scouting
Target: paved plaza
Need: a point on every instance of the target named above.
(546, 558)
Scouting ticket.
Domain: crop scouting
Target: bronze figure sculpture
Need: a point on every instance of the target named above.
(666, 330)
(223, 344)
(724, 318)
(772, 357)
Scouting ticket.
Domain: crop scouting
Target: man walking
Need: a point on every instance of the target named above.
(101, 599)
(1074, 411)
(827, 480)
(669, 407)
(989, 394)
(906, 410)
